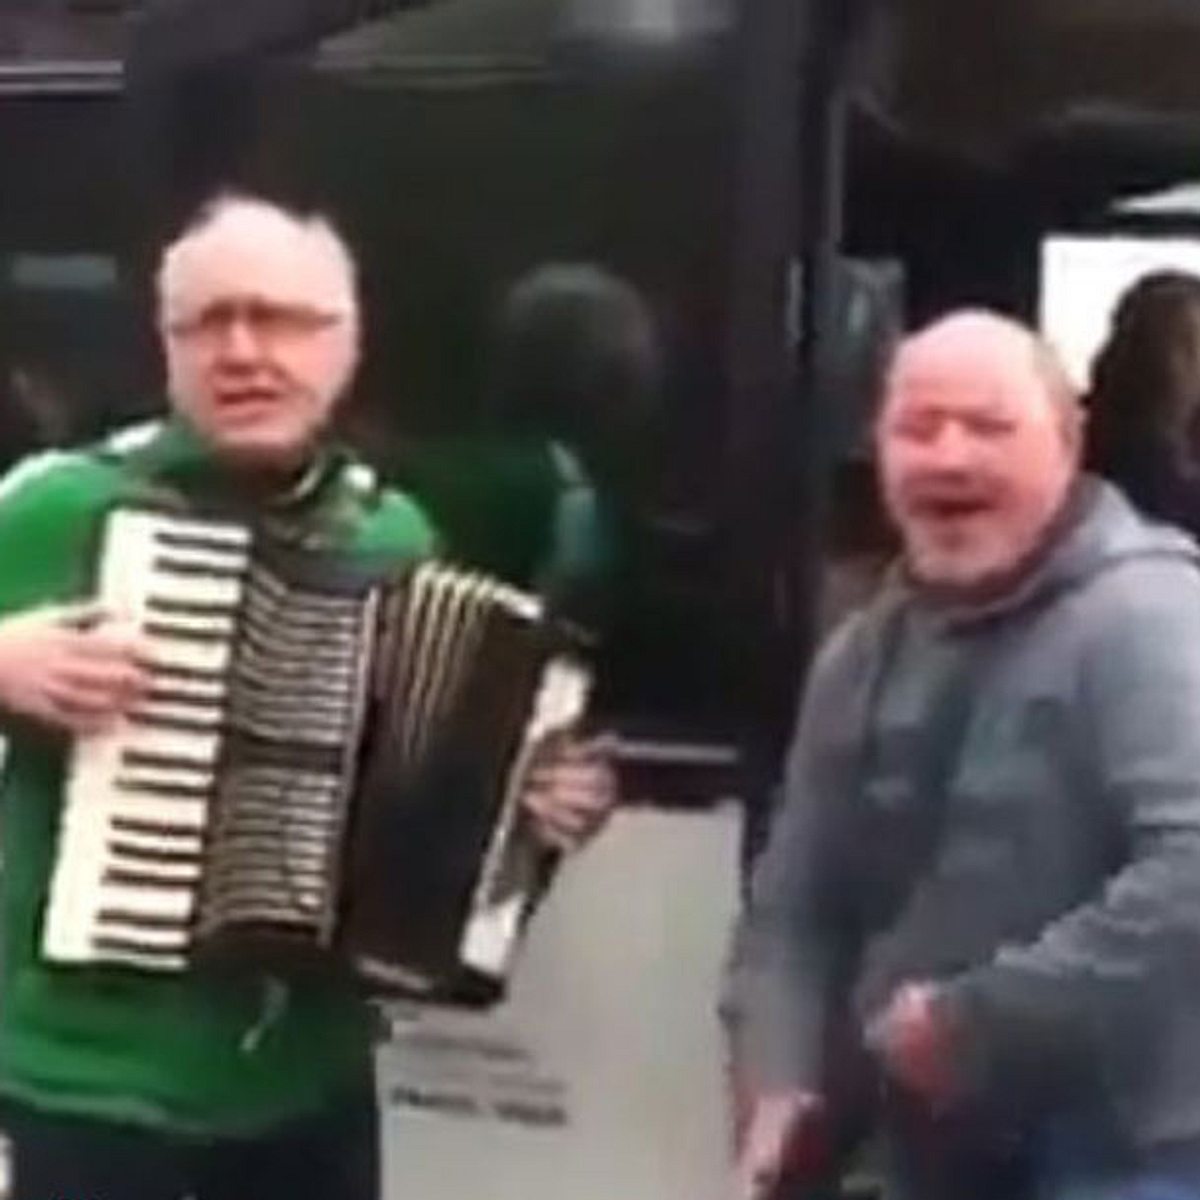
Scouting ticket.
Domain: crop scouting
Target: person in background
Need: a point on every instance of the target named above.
(1144, 398)
(535, 493)
(976, 924)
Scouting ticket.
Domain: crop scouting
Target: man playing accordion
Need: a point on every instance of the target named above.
(121, 1083)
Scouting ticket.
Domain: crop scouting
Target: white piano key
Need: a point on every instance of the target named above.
(163, 874)
(201, 713)
(156, 524)
(170, 743)
(200, 589)
(160, 840)
(154, 939)
(139, 807)
(162, 903)
(163, 784)
(192, 656)
(211, 691)
(187, 566)
(180, 624)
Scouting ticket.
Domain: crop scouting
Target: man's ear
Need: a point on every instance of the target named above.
(1074, 428)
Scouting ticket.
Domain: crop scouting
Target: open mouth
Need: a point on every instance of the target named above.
(951, 509)
(246, 405)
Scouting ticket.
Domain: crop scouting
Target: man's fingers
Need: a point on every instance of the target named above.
(76, 715)
(73, 701)
(585, 782)
(113, 692)
(85, 724)
(108, 644)
(581, 803)
(83, 688)
(569, 826)
(565, 810)
(118, 677)
(564, 751)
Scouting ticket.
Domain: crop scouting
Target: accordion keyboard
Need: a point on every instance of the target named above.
(137, 799)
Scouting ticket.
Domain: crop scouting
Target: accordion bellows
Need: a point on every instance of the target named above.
(327, 766)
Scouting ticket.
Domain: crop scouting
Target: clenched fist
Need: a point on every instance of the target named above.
(69, 666)
(914, 1043)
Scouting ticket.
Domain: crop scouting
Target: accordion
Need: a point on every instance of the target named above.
(329, 760)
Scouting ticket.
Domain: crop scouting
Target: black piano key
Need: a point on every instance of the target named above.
(166, 762)
(165, 791)
(171, 606)
(184, 699)
(150, 720)
(139, 852)
(170, 631)
(139, 920)
(112, 944)
(126, 877)
(163, 829)
(167, 564)
(175, 539)
(166, 670)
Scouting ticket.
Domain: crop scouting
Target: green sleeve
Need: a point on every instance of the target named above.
(397, 527)
(50, 510)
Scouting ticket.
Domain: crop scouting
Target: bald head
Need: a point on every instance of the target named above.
(978, 442)
(241, 244)
(976, 341)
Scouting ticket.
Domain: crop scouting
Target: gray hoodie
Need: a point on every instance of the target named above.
(1059, 905)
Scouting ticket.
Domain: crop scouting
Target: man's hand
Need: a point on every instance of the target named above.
(914, 1043)
(572, 792)
(69, 667)
(784, 1133)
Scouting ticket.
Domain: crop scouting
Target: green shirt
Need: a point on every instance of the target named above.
(185, 1054)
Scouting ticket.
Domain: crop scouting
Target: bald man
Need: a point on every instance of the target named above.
(125, 1085)
(977, 923)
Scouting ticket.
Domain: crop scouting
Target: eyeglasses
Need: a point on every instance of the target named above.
(264, 320)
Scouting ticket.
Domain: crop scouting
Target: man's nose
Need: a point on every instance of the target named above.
(238, 342)
(951, 448)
